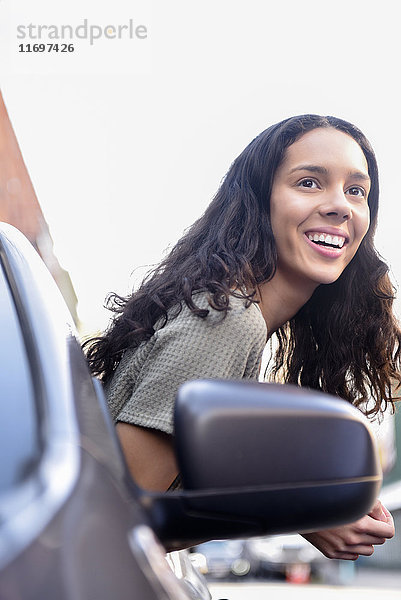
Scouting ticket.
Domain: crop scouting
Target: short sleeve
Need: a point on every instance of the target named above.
(190, 347)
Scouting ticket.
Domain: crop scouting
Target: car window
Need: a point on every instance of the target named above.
(19, 440)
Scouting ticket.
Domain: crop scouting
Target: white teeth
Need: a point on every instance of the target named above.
(333, 240)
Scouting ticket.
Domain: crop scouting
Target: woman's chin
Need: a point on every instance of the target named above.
(325, 278)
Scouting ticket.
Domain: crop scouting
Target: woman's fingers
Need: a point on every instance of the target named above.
(347, 555)
(353, 539)
(377, 512)
(335, 547)
(376, 528)
(363, 549)
(380, 513)
(359, 538)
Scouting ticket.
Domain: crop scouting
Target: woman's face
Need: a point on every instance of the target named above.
(319, 207)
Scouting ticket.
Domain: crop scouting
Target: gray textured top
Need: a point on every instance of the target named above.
(144, 386)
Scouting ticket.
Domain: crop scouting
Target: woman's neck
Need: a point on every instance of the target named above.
(280, 299)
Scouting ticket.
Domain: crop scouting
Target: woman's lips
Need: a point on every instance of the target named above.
(326, 251)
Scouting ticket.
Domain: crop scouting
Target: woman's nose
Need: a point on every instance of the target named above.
(337, 206)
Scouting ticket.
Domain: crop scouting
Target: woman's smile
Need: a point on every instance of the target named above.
(331, 246)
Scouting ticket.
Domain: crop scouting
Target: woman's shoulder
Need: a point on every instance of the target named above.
(242, 315)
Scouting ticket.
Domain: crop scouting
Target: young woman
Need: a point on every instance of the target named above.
(285, 247)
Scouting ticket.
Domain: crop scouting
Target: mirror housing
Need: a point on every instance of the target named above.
(243, 434)
(260, 459)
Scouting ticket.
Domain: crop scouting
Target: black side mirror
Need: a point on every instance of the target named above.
(262, 459)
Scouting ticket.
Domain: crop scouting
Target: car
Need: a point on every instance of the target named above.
(256, 459)
(223, 559)
(288, 557)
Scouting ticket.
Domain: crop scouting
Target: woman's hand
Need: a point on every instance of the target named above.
(349, 541)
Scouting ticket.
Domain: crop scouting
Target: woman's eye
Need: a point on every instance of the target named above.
(308, 183)
(357, 191)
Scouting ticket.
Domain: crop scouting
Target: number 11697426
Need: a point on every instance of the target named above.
(46, 48)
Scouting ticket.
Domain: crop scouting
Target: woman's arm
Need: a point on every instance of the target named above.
(187, 348)
(149, 455)
(349, 541)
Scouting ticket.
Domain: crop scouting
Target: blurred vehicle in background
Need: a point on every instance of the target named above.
(288, 557)
(283, 557)
(223, 559)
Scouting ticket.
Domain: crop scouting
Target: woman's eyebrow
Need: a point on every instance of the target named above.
(310, 168)
(359, 175)
(323, 171)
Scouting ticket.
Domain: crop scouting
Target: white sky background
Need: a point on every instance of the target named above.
(126, 141)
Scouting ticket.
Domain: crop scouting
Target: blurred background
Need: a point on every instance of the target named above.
(108, 152)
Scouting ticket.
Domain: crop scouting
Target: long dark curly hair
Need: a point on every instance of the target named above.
(344, 340)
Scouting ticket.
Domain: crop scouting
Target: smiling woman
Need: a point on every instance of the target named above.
(286, 248)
